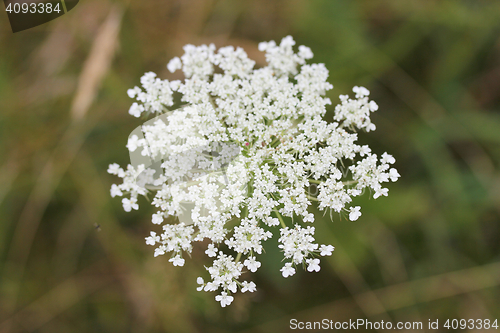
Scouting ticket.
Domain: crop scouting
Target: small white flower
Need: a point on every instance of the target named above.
(159, 251)
(263, 46)
(114, 168)
(248, 286)
(326, 250)
(136, 110)
(287, 270)
(210, 286)
(361, 92)
(175, 85)
(381, 192)
(153, 239)
(157, 218)
(233, 286)
(305, 52)
(129, 204)
(394, 174)
(133, 92)
(174, 64)
(309, 218)
(211, 251)
(133, 143)
(252, 264)
(201, 282)
(389, 159)
(177, 261)
(364, 150)
(313, 265)
(115, 191)
(354, 213)
(224, 299)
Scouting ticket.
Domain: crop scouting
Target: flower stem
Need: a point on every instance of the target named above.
(311, 197)
(280, 218)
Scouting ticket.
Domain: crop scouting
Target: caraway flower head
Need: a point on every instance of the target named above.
(241, 152)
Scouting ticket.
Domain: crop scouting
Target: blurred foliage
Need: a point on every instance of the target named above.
(72, 261)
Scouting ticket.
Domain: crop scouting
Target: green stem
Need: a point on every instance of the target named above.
(238, 257)
(315, 181)
(275, 142)
(250, 188)
(280, 218)
(311, 198)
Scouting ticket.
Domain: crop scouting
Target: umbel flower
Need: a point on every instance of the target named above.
(244, 148)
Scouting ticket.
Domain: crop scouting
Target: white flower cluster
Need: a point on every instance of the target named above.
(242, 152)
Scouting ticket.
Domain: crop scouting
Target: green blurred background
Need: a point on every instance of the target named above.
(71, 260)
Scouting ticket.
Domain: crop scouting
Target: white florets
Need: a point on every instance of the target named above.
(245, 156)
(224, 299)
(354, 213)
(287, 270)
